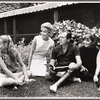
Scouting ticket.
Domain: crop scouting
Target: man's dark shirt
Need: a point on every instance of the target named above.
(64, 59)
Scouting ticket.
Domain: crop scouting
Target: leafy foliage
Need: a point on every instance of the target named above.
(77, 30)
(24, 50)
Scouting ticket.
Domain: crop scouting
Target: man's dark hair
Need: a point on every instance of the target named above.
(68, 35)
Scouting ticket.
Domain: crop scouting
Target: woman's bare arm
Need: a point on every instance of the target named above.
(31, 52)
(6, 70)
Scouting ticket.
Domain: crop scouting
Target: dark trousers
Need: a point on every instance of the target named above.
(86, 76)
(51, 74)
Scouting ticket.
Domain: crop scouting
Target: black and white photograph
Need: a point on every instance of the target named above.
(50, 49)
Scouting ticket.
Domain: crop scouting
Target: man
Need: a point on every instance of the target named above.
(66, 57)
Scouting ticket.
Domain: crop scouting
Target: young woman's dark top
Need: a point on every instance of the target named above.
(88, 56)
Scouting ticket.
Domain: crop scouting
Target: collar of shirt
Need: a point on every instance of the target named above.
(61, 49)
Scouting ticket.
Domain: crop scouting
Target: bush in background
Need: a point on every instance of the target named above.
(24, 50)
(77, 30)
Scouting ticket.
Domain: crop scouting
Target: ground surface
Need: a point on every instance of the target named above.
(40, 88)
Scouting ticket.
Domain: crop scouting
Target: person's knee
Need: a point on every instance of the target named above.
(72, 64)
(47, 76)
(73, 73)
(9, 81)
(73, 70)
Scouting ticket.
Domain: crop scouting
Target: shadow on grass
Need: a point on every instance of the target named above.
(40, 88)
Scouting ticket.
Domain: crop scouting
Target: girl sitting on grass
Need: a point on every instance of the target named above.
(9, 59)
(90, 56)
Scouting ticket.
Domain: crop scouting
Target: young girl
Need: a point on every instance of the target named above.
(41, 46)
(90, 56)
(9, 59)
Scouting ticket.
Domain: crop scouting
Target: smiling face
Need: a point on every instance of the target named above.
(44, 33)
(87, 41)
(63, 38)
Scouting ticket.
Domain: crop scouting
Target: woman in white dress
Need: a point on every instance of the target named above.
(9, 60)
(41, 46)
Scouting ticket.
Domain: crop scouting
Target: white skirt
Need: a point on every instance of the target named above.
(38, 67)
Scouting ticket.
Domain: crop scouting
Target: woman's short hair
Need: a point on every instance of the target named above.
(48, 26)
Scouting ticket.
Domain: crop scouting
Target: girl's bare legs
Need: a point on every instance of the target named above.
(10, 81)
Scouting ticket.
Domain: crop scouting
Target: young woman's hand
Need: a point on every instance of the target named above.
(83, 69)
(95, 78)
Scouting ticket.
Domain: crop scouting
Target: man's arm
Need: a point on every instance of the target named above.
(77, 57)
(52, 63)
(77, 64)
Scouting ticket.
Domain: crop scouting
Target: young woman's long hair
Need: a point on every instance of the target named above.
(9, 46)
(94, 39)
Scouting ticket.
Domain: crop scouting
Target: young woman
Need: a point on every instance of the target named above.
(9, 59)
(41, 46)
(90, 56)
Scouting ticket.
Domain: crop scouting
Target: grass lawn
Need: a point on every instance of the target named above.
(40, 88)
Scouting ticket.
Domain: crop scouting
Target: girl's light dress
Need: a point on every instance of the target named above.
(11, 65)
(39, 60)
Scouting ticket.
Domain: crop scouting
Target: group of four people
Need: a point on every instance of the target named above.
(66, 60)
